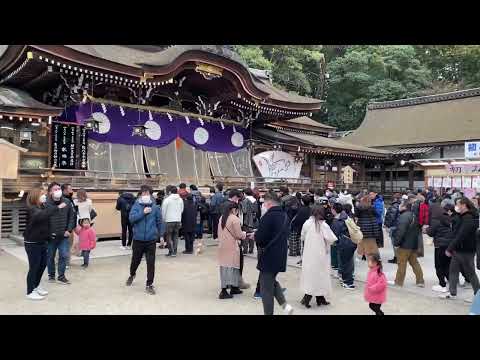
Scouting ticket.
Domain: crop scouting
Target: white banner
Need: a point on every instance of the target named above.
(472, 149)
(277, 164)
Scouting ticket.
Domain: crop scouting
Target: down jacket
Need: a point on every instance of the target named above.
(441, 229)
(367, 221)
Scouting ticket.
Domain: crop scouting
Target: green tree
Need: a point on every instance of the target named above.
(371, 73)
(296, 68)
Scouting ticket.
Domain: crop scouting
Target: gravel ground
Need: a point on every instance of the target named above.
(186, 285)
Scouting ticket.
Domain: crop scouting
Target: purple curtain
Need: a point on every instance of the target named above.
(116, 126)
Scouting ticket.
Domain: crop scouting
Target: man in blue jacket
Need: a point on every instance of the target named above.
(146, 218)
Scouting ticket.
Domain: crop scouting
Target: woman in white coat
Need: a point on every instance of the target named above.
(315, 279)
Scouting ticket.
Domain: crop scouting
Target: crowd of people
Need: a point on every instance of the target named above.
(325, 227)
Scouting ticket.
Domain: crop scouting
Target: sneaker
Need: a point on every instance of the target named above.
(438, 288)
(40, 291)
(51, 279)
(187, 252)
(421, 285)
(123, 247)
(349, 287)
(63, 280)
(130, 280)
(392, 261)
(257, 296)
(173, 255)
(468, 300)
(169, 254)
(150, 290)
(128, 248)
(84, 266)
(35, 296)
(391, 282)
(288, 309)
(447, 296)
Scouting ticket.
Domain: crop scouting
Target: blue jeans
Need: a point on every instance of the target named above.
(86, 257)
(63, 254)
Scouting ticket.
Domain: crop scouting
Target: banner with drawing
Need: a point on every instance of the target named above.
(277, 164)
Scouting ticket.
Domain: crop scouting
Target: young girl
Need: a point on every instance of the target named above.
(376, 286)
(87, 238)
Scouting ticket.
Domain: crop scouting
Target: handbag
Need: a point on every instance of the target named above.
(93, 214)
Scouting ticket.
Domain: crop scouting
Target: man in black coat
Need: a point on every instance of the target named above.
(189, 220)
(271, 239)
(124, 203)
(61, 225)
(463, 247)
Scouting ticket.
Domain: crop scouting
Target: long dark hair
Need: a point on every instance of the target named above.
(226, 212)
(318, 212)
(376, 259)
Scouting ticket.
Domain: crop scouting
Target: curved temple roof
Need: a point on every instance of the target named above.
(161, 61)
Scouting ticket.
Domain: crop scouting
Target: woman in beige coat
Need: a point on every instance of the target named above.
(230, 236)
(315, 278)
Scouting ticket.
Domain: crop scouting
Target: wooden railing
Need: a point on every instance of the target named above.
(90, 180)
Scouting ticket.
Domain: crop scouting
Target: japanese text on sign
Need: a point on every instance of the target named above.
(472, 150)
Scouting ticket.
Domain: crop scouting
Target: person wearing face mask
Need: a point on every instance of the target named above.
(146, 218)
(36, 237)
(67, 192)
(463, 247)
(61, 225)
(271, 239)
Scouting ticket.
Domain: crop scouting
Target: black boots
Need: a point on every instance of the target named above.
(235, 291)
(306, 301)
(321, 301)
(224, 294)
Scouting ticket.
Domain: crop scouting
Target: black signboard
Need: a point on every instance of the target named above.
(67, 148)
(83, 159)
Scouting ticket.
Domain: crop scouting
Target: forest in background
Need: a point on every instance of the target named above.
(348, 77)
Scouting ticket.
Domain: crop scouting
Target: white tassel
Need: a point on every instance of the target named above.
(170, 117)
(201, 121)
(187, 119)
(222, 125)
(104, 108)
(122, 111)
(150, 117)
(234, 130)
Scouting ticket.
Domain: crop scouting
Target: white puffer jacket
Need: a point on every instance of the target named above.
(172, 208)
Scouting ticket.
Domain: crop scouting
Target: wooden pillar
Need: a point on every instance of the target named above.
(382, 178)
(312, 165)
(410, 176)
(339, 171)
(1, 201)
(325, 177)
(361, 173)
(391, 179)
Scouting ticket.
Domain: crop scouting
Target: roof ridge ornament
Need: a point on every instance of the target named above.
(208, 71)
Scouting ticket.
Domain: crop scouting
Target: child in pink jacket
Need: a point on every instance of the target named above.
(376, 286)
(87, 239)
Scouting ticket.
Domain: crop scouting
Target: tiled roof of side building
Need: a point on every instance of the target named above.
(443, 118)
(15, 100)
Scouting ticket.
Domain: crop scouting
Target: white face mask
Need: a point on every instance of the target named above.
(145, 199)
(43, 198)
(457, 209)
(57, 194)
